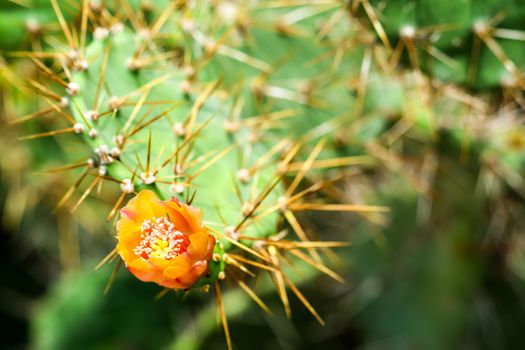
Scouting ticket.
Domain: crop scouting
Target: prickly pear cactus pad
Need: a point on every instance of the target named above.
(475, 43)
(199, 138)
(178, 112)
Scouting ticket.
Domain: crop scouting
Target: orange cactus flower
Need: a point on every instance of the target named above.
(163, 242)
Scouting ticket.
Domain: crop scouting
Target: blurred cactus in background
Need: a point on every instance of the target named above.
(294, 128)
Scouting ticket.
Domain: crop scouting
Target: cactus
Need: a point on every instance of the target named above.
(250, 113)
(475, 44)
(154, 121)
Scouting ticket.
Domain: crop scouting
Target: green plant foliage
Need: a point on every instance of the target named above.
(462, 32)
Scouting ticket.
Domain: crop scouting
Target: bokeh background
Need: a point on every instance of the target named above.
(444, 269)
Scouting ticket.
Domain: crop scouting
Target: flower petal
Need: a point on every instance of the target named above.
(173, 268)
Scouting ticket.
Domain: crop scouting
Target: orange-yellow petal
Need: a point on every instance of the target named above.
(163, 242)
(190, 217)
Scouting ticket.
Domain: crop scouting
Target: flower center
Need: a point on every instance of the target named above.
(161, 240)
